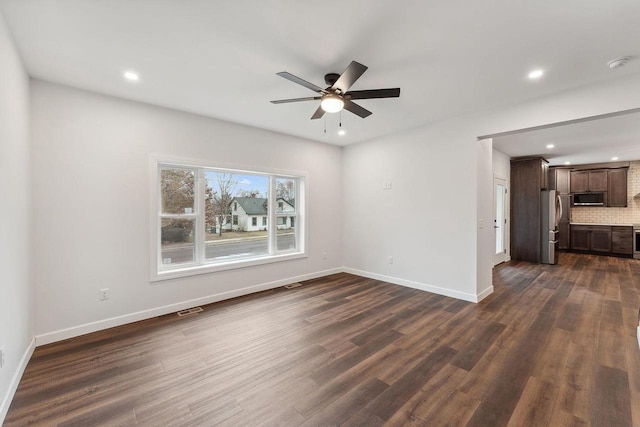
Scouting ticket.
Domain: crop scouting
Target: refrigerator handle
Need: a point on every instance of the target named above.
(559, 202)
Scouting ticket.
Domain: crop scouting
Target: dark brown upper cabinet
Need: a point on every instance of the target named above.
(617, 188)
(559, 180)
(589, 181)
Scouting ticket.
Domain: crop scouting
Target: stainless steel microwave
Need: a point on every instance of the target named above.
(588, 199)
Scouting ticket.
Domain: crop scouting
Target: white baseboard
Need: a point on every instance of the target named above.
(87, 328)
(99, 325)
(15, 380)
(421, 286)
(482, 295)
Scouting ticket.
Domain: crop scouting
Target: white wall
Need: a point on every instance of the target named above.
(15, 219)
(442, 172)
(91, 198)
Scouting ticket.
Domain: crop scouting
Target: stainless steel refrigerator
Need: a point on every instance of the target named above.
(551, 212)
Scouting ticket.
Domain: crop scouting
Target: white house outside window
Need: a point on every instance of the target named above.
(208, 219)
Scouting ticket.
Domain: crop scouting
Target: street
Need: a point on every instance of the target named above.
(227, 249)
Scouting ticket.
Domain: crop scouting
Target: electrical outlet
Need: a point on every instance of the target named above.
(390, 260)
(324, 255)
(104, 294)
(1, 356)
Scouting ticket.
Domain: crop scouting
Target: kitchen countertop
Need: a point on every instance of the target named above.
(597, 223)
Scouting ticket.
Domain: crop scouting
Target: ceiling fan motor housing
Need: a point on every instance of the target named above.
(331, 78)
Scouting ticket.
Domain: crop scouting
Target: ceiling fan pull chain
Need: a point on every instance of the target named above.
(325, 124)
(340, 118)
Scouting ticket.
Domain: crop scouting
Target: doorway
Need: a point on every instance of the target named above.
(499, 220)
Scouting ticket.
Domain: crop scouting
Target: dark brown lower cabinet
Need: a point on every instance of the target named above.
(564, 241)
(622, 240)
(602, 239)
(580, 238)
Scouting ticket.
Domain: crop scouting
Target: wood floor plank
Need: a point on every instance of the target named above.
(610, 403)
(553, 345)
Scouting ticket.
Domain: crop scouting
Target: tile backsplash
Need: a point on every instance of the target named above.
(628, 215)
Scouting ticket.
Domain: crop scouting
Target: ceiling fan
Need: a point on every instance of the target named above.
(337, 95)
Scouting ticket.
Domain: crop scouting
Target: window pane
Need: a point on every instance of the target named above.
(286, 237)
(177, 191)
(286, 194)
(233, 203)
(177, 241)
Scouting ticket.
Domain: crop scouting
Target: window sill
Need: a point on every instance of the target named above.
(193, 270)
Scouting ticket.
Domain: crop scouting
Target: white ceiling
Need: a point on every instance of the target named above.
(590, 141)
(220, 58)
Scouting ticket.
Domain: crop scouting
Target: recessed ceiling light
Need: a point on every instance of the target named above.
(342, 132)
(619, 62)
(614, 158)
(131, 76)
(550, 145)
(567, 163)
(536, 74)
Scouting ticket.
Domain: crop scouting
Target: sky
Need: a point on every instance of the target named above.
(245, 182)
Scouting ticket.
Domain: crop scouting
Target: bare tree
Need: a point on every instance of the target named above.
(286, 190)
(177, 188)
(218, 200)
(250, 193)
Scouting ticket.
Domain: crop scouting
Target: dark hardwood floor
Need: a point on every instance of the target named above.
(553, 346)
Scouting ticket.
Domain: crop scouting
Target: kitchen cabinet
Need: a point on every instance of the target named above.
(598, 180)
(591, 238)
(559, 180)
(602, 239)
(580, 238)
(528, 177)
(622, 240)
(544, 175)
(591, 181)
(564, 241)
(617, 188)
(579, 181)
(612, 183)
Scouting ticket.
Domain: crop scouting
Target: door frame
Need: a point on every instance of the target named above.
(499, 258)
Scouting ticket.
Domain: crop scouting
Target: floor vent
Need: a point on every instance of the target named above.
(188, 311)
(293, 285)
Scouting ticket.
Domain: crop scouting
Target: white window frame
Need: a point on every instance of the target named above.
(201, 265)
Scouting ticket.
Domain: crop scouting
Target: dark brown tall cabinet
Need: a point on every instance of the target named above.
(528, 177)
(617, 188)
(560, 180)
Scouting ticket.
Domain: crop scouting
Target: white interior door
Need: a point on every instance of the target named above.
(500, 220)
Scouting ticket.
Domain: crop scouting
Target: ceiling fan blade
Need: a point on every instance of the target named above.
(301, 82)
(350, 75)
(284, 101)
(318, 114)
(373, 93)
(356, 109)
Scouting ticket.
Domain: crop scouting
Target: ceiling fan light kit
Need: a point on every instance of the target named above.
(336, 96)
(332, 103)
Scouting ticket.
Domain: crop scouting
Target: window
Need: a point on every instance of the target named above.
(207, 219)
(286, 238)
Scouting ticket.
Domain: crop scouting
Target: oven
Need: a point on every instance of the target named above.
(636, 241)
